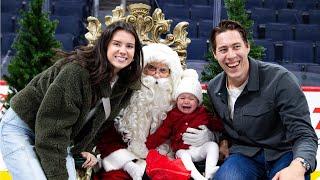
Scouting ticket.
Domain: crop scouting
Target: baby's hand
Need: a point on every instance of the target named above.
(91, 160)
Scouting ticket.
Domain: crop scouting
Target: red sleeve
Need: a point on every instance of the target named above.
(110, 142)
(215, 123)
(161, 135)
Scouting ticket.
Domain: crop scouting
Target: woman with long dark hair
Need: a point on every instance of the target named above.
(63, 110)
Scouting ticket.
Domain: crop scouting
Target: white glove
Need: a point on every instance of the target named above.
(197, 137)
(134, 170)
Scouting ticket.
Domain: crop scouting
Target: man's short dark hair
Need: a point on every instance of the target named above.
(224, 26)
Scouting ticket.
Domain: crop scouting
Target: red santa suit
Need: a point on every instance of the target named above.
(112, 142)
(177, 123)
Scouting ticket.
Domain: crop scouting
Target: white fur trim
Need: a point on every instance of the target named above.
(117, 159)
(142, 163)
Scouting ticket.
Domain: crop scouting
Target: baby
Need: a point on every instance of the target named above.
(188, 113)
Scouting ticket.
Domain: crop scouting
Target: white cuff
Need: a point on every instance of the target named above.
(117, 159)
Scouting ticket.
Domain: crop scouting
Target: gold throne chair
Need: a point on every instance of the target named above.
(150, 29)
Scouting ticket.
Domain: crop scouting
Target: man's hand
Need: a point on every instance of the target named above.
(294, 171)
(197, 137)
(223, 150)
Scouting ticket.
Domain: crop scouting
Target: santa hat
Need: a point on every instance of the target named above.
(158, 52)
(190, 84)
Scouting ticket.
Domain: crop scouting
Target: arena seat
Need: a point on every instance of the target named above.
(276, 4)
(201, 12)
(249, 4)
(12, 6)
(70, 8)
(314, 16)
(8, 23)
(305, 4)
(313, 68)
(163, 2)
(67, 40)
(205, 28)
(278, 31)
(6, 42)
(197, 49)
(176, 11)
(310, 32)
(197, 2)
(298, 51)
(290, 16)
(294, 67)
(69, 24)
(269, 49)
(262, 15)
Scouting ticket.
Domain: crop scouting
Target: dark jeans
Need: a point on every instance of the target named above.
(240, 167)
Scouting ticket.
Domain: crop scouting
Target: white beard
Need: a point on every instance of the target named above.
(147, 109)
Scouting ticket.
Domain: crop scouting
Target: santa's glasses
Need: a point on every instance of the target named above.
(153, 70)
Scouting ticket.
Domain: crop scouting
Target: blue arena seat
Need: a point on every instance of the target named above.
(298, 51)
(305, 4)
(269, 49)
(8, 22)
(304, 74)
(278, 31)
(294, 67)
(6, 42)
(193, 29)
(67, 41)
(314, 16)
(69, 8)
(198, 2)
(12, 6)
(205, 28)
(176, 11)
(262, 15)
(176, 2)
(197, 49)
(290, 16)
(276, 4)
(313, 68)
(249, 4)
(200, 12)
(69, 24)
(307, 32)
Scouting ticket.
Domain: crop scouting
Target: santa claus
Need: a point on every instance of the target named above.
(123, 146)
